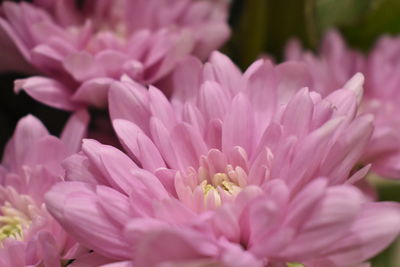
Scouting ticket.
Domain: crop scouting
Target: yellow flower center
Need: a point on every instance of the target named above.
(294, 264)
(12, 222)
(219, 181)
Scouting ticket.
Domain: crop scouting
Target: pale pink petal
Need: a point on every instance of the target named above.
(27, 132)
(82, 66)
(161, 108)
(300, 104)
(222, 70)
(183, 45)
(47, 91)
(212, 100)
(261, 78)
(48, 151)
(78, 168)
(292, 76)
(186, 78)
(75, 205)
(162, 139)
(187, 245)
(75, 130)
(124, 98)
(90, 260)
(216, 33)
(375, 228)
(94, 92)
(188, 145)
(239, 117)
(331, 220)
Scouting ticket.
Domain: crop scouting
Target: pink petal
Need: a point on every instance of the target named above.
(139, 145)
(217, 34)
(161, 108)
(300, 104)
(78, 168)
(48, 91)
(115, 166)
(376, 227)
(292, 76)
(162, 139)
(48, 151)
(93, 92)
(188, 245)
(27, 132)
(115, 204)
(75, 130)
(261, 88)
(188, 145)
(82, 66)
(223, 71)
(13, 53)
(129, 101)
(183, 45)
(193, 116)
(213, 100)
(240, 116)
(90, 260)
(327, 225)
(186, 79)
(87, 223)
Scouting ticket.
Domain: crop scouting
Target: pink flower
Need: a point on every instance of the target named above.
(234, 170)
(336, 63)
(29, 236)
(81, 49)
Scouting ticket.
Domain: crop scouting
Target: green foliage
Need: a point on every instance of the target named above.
(264, 26)
(381, 17)
(249, 21)
(333, 13)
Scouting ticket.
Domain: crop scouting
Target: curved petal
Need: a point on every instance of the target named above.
(48, 91)
(75, 130)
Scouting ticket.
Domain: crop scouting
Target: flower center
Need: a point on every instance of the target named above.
(12, 222)
(294, 264)
(215, 182)
(222, 181)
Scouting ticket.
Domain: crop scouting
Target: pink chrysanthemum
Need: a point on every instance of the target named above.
(29, 236)
(82, 48)
(236, 170)
(336, 64)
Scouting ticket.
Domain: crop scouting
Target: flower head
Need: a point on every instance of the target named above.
(336, 63)
(235, 170)
(30, 167)
(81, 48)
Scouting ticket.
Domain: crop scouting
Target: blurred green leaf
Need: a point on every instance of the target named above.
(388, 190)
(261, 26)
(333, 13)
(382, 16)
(287, 19)
(389, 257)
(249, 24)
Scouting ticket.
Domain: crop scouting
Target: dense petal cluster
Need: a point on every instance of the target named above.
(198, 164)
(29, 236)
(234, 170)
(336, 63)
(81, 46)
